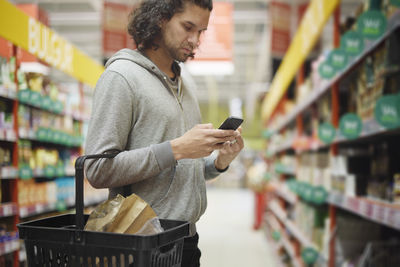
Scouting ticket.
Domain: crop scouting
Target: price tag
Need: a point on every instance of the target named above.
(395, 2)
(25, 172)
(338, 59)
(397, 219)
(390, 217)
(23, 211)
(326, 133)
(387, 111)
(378, 213)
(350, 126)
(7, 210)
(353, 204)
(326, 70)
(39, 208)
(371, 24)
(7, 247)
(352, 43)
(319, 195)
(10, 135)
(24, 95)
(309, 255)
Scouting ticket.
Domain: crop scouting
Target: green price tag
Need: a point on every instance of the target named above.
(266, 133)
(292, 184)
(395, 2)
(25, 172)
(58, 107)
(56, 137)
(61, 206)
(326, 70)
(308, 192)
(267, 176)
(387, 111)
(319, 195)
(350, 126)
(338, 59)
(309, 255)
(41, 134)
(352, 43)
(35, 99)
(371, 24)
(326, 133)
(24, 96)
(64, 139)
(60, 171)
(276, 235)
(46, 103)
(49, 171)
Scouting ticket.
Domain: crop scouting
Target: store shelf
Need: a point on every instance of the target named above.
(9, 172)
(291, 226)
(283, 169)
(296, 261)
(9, 246)
(8, 209)
(52, 137)
(284, 192)
(8, 135)
(380, 212)
(8, 94)
(36, 209)
(371, 128)
(326, 85)
(284, 147)
(283, 241)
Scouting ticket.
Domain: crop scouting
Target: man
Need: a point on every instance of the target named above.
(145, 107)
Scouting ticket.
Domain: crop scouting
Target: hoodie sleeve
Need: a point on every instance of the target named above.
(210, 171)
(109, 128)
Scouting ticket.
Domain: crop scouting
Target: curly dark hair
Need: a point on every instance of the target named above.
(144, 21)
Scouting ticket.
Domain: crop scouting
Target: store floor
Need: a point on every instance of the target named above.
(227, 238)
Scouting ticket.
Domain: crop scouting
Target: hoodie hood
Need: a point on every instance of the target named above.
(138, 58)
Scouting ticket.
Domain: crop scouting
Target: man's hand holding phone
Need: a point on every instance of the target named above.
(203, 139)
(230, 149)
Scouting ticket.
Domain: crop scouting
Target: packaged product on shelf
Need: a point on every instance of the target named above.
(7, 70)
(396, 188)
(22, 82)
(24, 117)
(35, 81)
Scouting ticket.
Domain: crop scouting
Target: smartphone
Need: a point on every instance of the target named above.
(231, 123)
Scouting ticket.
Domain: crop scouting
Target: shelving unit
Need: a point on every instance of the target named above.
(36, 189)
(319, 184)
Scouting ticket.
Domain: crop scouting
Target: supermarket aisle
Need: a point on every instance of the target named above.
(226, 235)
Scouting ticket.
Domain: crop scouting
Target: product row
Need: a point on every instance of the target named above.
(367, 170)
(358, 242)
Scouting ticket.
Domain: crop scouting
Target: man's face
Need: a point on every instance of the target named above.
(180, 35)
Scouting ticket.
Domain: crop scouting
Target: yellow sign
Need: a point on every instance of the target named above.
(309, 30)
(39, 40)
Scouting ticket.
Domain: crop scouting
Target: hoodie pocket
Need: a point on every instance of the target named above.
(185, 196)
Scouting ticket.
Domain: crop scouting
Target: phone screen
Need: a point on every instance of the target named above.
(231, 123)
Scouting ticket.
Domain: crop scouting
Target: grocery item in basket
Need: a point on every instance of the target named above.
(128, 215)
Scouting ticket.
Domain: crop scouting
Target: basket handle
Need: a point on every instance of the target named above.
(79, 174)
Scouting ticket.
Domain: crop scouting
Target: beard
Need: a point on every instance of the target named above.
(177, 54)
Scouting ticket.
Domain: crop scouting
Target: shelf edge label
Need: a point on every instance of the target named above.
(352, 43)
(350, 126)
(326, 133)
(372, 24)
(338, 59)
(387, 111)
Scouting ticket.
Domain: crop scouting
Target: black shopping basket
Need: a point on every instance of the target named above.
(61, 240)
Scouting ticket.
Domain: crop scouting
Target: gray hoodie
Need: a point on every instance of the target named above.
(136, 112)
